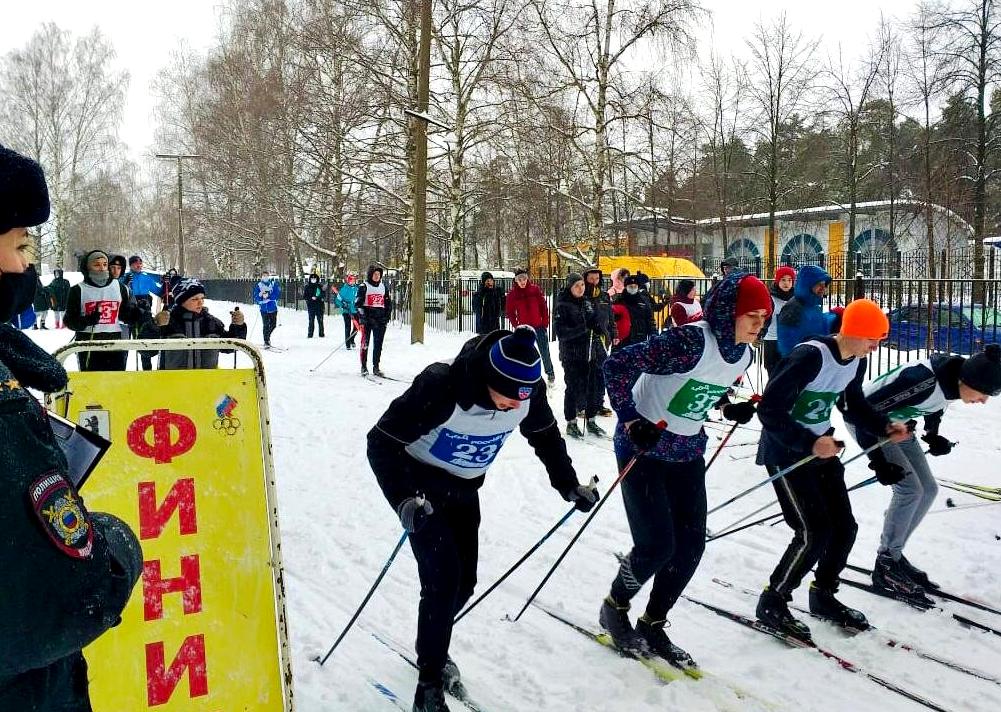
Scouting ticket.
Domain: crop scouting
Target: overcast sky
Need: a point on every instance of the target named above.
(145, 33)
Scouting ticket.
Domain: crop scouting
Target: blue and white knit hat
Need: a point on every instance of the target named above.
(515, 364)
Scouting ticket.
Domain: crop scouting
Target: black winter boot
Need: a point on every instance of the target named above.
(573, 430)
(656, 639)
(453, 678)
(614, 619)
(891, 575)
(376, 371)
(429, 698)
(773, 611)
(824, 605)
(916, 575)
(592, 427)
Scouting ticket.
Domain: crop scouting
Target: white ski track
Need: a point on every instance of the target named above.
(337, 530)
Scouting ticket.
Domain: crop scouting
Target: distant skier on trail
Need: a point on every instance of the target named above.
(795, 412)
(374, 309)
(430, 452)
(314, 294)
(921, 388)
(674, 378)
(266, 294)
(345, 299)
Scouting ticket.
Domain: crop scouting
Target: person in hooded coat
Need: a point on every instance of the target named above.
(803, 315)
(189, 318)
(685, 309)
(314, 296)
(375, 306)
(662, 390)
(67, 578)
(96, 309)
(345, 299)
(488, 304)
(59, 288)
(430, 452)
(580, 330)
(782, 292)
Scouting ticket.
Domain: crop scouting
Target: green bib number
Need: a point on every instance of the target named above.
(908, 412)
(694, 399)
(813, 407)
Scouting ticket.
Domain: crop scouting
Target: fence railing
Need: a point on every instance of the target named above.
(926, 316)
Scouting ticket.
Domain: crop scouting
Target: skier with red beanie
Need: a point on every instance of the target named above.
(674, 379)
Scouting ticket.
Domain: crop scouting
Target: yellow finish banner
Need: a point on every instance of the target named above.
(186, 470)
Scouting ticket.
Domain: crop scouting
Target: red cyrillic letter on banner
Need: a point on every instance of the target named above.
(188, 584)
(153, 519)
(161, 681)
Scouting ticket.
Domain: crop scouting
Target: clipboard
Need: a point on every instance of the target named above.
(83, 448)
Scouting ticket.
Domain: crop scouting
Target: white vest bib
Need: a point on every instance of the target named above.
(813, 408)
(932, 404)
(375, 296)
(467, 443)
(693, 311)
(107, 300)
(682, 400)
(773, 327)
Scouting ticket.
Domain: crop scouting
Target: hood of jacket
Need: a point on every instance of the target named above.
(57, 274)
(372, 269)
(589, 291)
(784, 294)
(718, 310)
(85, 260)
(807, 278)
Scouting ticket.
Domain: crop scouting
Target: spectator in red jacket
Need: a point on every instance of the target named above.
(526, 304)
(685, 307)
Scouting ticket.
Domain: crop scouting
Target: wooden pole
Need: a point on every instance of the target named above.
(420, 178)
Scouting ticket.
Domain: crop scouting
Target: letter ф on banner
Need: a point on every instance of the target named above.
(205, 629)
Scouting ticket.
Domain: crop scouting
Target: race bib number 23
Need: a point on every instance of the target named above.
(474, 452)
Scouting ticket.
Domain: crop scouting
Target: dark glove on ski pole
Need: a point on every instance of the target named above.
(643, 434)
(888, 473)
(582, 496)
(414, 512)
(740, 413)
(937, 445)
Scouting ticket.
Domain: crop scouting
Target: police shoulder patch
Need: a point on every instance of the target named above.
(62, 515)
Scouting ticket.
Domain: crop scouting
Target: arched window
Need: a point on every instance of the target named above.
(874, 243)
(743, 249)
(801, 250)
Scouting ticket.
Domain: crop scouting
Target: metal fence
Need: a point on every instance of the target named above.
(926, 315)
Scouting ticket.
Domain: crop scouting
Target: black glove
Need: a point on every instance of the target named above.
(414, 513)
(937, 445)
(644, 434)
(93, 318)
(739, 412)
(583, 497)
(887, 473)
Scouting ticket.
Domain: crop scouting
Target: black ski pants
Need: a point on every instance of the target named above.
(666, 508)
(270, 322)
(349, 328)
(374, 333)
(315, 312)
(585, 388)
(771, 355)
(815, 504)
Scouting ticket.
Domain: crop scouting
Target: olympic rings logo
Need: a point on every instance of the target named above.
(226, 426)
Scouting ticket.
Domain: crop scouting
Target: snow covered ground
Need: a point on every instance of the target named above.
(337, 531)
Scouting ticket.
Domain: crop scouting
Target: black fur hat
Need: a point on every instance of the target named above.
(24, 197)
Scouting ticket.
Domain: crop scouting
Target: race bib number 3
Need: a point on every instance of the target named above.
(694, 399)
(474, 452)
(107, 309)
(813, 407)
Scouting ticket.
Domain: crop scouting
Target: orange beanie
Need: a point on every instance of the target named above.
(863, 318)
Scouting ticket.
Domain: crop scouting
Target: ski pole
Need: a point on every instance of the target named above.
(597, 508)
(754, 399)
(335, 350)
(781, 473)
(378, 580)
(519, 562)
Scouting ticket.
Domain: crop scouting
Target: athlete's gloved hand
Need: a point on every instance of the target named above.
(584, 497)
(93, 318)
(414, 513)
(740, 413)
(937, 445)
(887, 473)
(643, 434)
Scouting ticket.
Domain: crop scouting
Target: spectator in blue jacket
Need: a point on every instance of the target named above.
(143, 285)
(803, 316)
(266, 294)
(345, 299)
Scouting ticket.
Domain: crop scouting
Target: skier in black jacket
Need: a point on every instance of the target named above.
(488, 304)
(925, 389)
(68, 572)
(430, 452)
(374, 309)
(580, 329)
(315, 297)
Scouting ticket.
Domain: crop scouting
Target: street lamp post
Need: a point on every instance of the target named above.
(180, 203)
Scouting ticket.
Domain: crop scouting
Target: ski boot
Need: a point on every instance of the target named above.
(773, 611)
(364, 370)
(551, 380)
(656, 639)
(913, 572)
(823, 604)
(429, 698)
(376, 371)
(594, 429)
(891, 575)
(452, 678)
(573, 430)
(614, 620)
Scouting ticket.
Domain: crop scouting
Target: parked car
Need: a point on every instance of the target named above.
(954, 329)
(435, 297)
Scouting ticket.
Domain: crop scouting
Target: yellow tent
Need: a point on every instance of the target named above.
(653, 267)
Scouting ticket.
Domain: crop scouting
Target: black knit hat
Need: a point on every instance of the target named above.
(186, 289)
(514, 366)
(117, 260)
(982, 371)
(24, 197)
(573, 278)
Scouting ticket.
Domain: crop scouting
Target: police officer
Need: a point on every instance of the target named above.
(67, 572)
